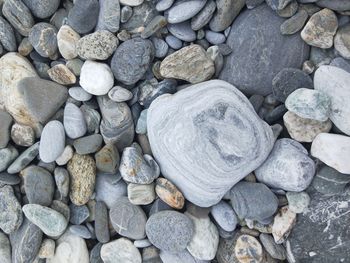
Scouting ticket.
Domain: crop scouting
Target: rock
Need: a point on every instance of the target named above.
(204, 16)
(158, 205)
(278, 4)
(143, 243)
(195, 181)
(320, 29)
(183, 256)
(132, 59)
(22, 135)
(42, 9)
(43, 37)
(47, 248)
(224, 216)
(6, 121)
(241, 67)
(81, 231)
(173, 42)
(333, 82)
(120, 250)
(332, 150)
(141, 194)
(101, 222)
(24, 159)
(7, 36)
(258, 206)
(214, 37)
(95, 256)
(289, 10)
(52, 141)
(169, 231)
(78, 214)
(73, 121)
(138, 169)
(340, 62)
(79, 94)
(276, 251)
(119, 94)
(18, 15)
(82, 170)
(163, 5)
(248, 249)
(7, 156)
(70, 248)
(131, 2)
(157, 23)
(62, 181)
(75, 66)
(66, 155)
(183, 10)
(82, 17)
(11, 215)
(161, 48)
(298, 202)
(337, 5)
(107, 159)
(25, 47)
(5, 249)
(88, 144)
(109, 16)
(109, 188)
(125, 13)
(169, 193)
(48, 220)
(39, 185)
(127, 219)
(283, 223)
(9, 179)
(67, 42)
(295, 23)
(304, 130)
(182, 31)
(62, 75)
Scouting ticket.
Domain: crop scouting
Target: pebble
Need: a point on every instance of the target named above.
(66, 155)
(81, 231)
(82, 17)
(158, 205)
(141, 194)
(43, 37)
(75, 66)
(47, 248)
(224, 216)
(120, 250)
(132, 59)
(138, 169)
(79, 94)
(101, 222)
(184, 10)
(109, 188)
(183, 64)
(289, 10)
(96, 78)
(131, 2)
(62, 75)
(39, 185)
(25, 47)
(169, 193)
(48, 220)
(52, 141)
(73, 121)
(182, 31)
(298, 202)
(95, 255)
(163, 5)
(341, 43)
(88, 144)
(170, 231)
(22, 135)
(183, 256)
(67, 42)
(24, 159)
(78, 214)
(7, 35)
(62, 181)
(107, 159)
(214, 37)
(340, 62)
(204, 16)
(295, 23)
(276, 251)
(61, 207)
(248, 249)
(320, 29)
(9, 179)
(5, 249)
(11, 215)
(277, 4)
(157, 23)
(125, 13)
(283, 223)
(161, 47)
(173, 42)
(119, 94)
(6, 122)
(141, 126)
(109, 16)
(82, 170)
(42, 9)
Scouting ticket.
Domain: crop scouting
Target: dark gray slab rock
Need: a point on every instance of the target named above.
(83, 16)
(109, 16)
(42, 8)
(337, 5)
(245, 67)
(7, 35)
(43, 37)
(109, 187)
(101, 222)
(11, 213)
(6, 121)
(24, 159)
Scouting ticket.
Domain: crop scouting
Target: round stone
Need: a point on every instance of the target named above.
(182, 31)
(11, 213)
(169, 193)
(43, 37)
(120, 250)
(67, 41)
(62, 180)
(52, 141)
(82, 17)
(224, 216)
(73, 121)
(22, 135)
(79, 94)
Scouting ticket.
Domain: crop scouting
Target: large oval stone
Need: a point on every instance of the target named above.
(260, 51)
(206, 138)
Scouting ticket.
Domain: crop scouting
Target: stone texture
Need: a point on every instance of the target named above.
(204, 16)
(248, 249)
(120, 250)
(52, 141)
(42, 9)
(78, 214)
(22, 135)
(24, 159)
(226, 12)
(43, 37)
(7, 156)
(283, 223)
(203, 182)
(275, 250)
(66, 155)
(156, 24)
(67, 41)
(141, 194)
(11, 214)
(6, 121)
(183, 256)
(73, 121)
(119, 94)
(337, 5)
(47, 248)
(109, 187)
(62, 75)
(9, 179)
(79, 94)
(182, 31)
(88, 144)
(298, 202)
(342, 41)
(169, 193)
(109, 16)
(62, 181)
(82, 17)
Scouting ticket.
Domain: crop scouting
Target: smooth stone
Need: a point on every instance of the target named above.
(62, 75)
(182, 31)
(47, 248)
(156, 24)
(81, 231)
(320, 29)
(5, 249)
(7, 156)
(42, 9)
(169, 231)
(241, 67)
(141, 194)
(224, 216)
(161, 48)
(183, 256)
(304, 130)
(277, 4)
(109, 16)
(82, 170)
(92, 118)
(66, 155)
(127, 219)
(226, 12)
(48, 220)
(61, 207)
(141, 126)
(67, 42)
(298, 202)
(7, 36)
(340, 62)
(39, 185)
(24, 48)
(62, 181)
(204, 16)
(120, 94)
(336, 5)
(82, 17)
(289, 10)
(74, 121)
(283, 223)
(295, 23)
(9, 179)
(288, 167)
(224, 170)
(22, 135)
(163, 5)
(11, 216)
(52, 141)
(333, 82)
(107, 159)
(95, 254)
(276, 251)
(109, 187)
(75, 66)
(214, 37)
(169, 193)
(173, 42)
(125, 13)
(88, 144)
(101, 222)
(120, 250)
(70, 248)
(6, 122)
(158, 205)
(78, 214)
(181, 11)
(79, 94)
(132, 59)
(43, 37)
(131, 2)
(18, 15)
(24, 159)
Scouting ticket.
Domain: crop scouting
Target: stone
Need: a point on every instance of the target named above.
(142, 243)
(67, 42)
(109, 16)
(79, 94)
(289, 10)
(224, 169)
(95, 255)
(119, 94)
(70, 248)
(333, 82)
(161, 48)
(39, 185)
(75, 66)
(66, 155)
(141, 194)
(92, 118)
(7, 36)
(224, 216)
(276, 251)
(11, 216)
(52, 141)
(62, 75)
(7, 156)
(62, 181)
(242, 69)
(156, 24)
(25, 47)
(141, 126)
(73, 121)
(6, 121)
(183, 256)
(81, 231)
(332, 150)
(277, 4)
(283, 223)
(61, 207)
(82, 17)
(9, 179)
(226, 12)
(107, 159)
(295, 23)
(169, 231)
(248, 249)
(101, 222)
(337, 5)
(214, 37)
(18, 15)
(131, 2)
(204, 16)
(82, 170)
(109, 187)
(120, 250)
(340, 62)
(42, 9)
(22, 135)
(43, 37)
(163, 5)
(88, 144)
(96, 78)
(24, 159)
(183, 10)
(125, 13)
(320, 29)
(127, 219)
(298, 202)
(169, 193)
(288, 80)
(182, 31)
(5, 249)
(47, 248)
(138, 169)
(132, 59)
(48, 220)
(173, 42)
(78, 214)
(304, 130)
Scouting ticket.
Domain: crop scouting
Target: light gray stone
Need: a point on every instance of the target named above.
(7, 156)
(181, 11)
(224, 216)
(120, 250)
(119, 94)
(81, 231)
(109, 16)
(182, 31)
(298, 202)
(73, 121)
(109, 187)
(141, 194)
(52, 141)
(22, 135)
(79, 94)
(42, 9)
(183, 256)
(204, 16)
(24, 159)
(47, 248)
(5, 249)
(11, 216)
(62, 181)
(6, 121)
(7, 36)
(67, 41)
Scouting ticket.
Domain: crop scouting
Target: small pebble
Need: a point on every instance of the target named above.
(43, 37)
(141, 194)
(120, 250)
(224, 216)
(169, 193)
(88, 144)
(283, 223)
(298, 202)
(24, 159)
(119, 94)
(67, 41)
(81, 231)
(78, 214)
(62, 75)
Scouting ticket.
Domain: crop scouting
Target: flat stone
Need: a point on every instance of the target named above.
(81, 231)
(78, 214)
(204, 16)
(169, 193)
(336, 5)
(182, 31)
(163, 5)
(214, 37)
(242, 69)
(24, 159)
(224, 169)
(5, 249)
(142, 243)
(6, 121)
(82, 170)
(62, 181)
(95, 254)
(79, 94)
(47, 248)
(298, 202)
(173, 42)
(101, 222)
(295, 23)
(7, 156)
(88, 144)
(62, 75)
(169, 231)
(67, 41)
(320, 29)
(120, 250)
(73, 121)
(161, 48)
(7, 35)
(125, 13)
(141, 126)
(22, 135)
(181, 11)
(38, 185)
(141, 194)
(61, 207)
(52, 141)
(127, 219)
(11, 216)
(109, 16)
(109, 187)
(66, 155)
(82, 17)
(107, 159)
(224, 216)
(75, 65)
(283, 223)
(289, 10)
(119, 94)
(43, 37)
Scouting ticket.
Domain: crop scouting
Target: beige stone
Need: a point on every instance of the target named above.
(62, 75)
(67, 41)
(283, 223)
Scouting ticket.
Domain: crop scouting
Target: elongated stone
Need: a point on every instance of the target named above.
(52, 141)
(24, 159)
(109, 16)
(11, 214)
(184, 10)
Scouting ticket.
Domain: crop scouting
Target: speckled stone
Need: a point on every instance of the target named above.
(43, 37)
(74, 121)
(120, 250)
(169, 193)
(11, 216)
(52, 141)
(22, 135)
